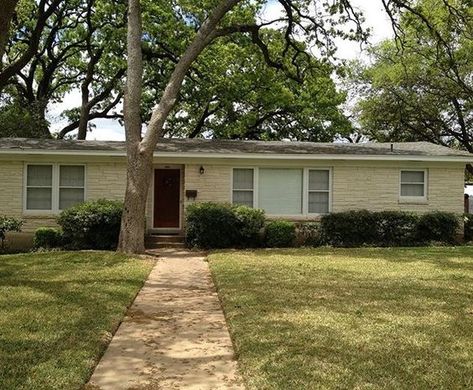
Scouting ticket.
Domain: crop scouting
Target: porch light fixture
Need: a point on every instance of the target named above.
(202, 170)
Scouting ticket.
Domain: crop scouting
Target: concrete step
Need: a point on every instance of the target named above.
(164, 238)
(159, 245)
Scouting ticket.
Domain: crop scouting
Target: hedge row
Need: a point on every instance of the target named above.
(213, 225)
(96, 225)
(388, 228)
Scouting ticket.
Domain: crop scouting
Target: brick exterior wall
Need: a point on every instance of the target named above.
(377, 188)
(214, 185)
(373, 186)
(103, 180)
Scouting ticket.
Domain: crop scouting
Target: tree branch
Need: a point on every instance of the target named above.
(202, 38)
(20, 63)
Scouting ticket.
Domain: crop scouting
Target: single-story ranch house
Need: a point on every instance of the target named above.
(290, 180)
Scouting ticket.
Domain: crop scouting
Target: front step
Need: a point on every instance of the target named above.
(155, 241)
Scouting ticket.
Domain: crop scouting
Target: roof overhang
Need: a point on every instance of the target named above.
(239, 156)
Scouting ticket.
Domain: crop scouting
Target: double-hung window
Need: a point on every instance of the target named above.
(54, 187)
(39, 187)
(413, 184)
(319, 191)
(71, 185)
(243, 186)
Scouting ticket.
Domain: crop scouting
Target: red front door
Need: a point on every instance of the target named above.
(166, 198)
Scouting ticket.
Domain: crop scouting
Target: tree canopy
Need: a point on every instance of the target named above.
(253, 82)
(419, 86)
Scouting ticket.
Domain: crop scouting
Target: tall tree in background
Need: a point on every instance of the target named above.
(239, 96)
(81, 47)
(420, 85)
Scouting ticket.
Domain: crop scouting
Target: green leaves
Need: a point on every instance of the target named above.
(420, 87)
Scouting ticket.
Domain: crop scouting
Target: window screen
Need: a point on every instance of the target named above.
(319, 190)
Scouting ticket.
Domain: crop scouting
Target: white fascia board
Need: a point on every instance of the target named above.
(239, 156)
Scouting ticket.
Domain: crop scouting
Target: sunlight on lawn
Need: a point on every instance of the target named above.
(350, 318)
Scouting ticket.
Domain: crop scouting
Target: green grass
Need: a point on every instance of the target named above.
(57, 312)
(350, 318)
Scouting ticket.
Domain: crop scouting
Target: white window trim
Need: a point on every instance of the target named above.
(308, 191)
(55, 187)
(414, 199)
(305, 189)
(255, 190)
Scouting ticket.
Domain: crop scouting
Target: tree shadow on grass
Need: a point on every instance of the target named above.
(60, 313)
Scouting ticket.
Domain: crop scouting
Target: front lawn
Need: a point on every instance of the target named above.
(350, 318)
(57, 312)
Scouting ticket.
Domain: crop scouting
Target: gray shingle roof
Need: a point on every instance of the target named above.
(228, 147)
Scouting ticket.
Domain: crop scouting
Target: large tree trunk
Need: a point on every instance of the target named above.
(140, 151)
(139, 171)
(83, 123)
(139, 163)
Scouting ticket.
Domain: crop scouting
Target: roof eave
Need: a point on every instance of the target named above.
(263, 156)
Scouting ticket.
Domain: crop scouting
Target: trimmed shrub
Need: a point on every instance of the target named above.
(396, 228)
(388, 228)
(47, 238)
(8, 224)
(211, 225)
(250, 223)
(221, 225)
(309, 234)
(280, 234)
(350, 228)
(438, 227)
(92, 225)
(468, 227)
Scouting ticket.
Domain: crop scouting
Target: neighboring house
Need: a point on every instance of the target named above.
(290, 180)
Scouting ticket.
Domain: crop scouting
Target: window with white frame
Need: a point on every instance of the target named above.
(413, 184)
(53, 187)
(39, 187)
(280, 191)
(283, 191)
(319, 191)
(243, 186)
(71, 185)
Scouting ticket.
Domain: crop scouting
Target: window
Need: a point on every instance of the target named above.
(54, 187)
(319, 191)
(243, 186)
(71, 185)
(283, 191)
(280, 191)
(413, 184)
(39, 187)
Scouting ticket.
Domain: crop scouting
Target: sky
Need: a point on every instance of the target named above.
(107, 129)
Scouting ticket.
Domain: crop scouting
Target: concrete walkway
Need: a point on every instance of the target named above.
(174, 335)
